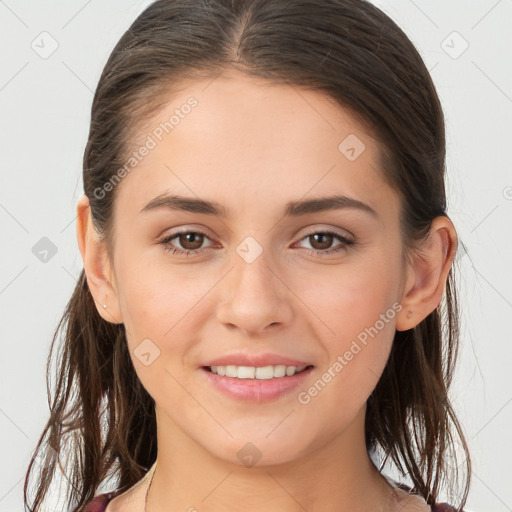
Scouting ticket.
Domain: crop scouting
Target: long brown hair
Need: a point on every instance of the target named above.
(100, 414)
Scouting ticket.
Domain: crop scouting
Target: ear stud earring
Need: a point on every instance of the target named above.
(104, 305)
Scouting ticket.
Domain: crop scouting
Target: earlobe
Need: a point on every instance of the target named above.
(428, 273)
(96, 264)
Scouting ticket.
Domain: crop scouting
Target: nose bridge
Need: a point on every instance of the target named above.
(255, 297)
(253, 274)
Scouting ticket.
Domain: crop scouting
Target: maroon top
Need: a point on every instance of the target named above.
(100, 502)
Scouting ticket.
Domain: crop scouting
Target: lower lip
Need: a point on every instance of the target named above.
(256, 390)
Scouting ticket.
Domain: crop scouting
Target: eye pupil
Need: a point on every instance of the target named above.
(323, 245)
(191, 244)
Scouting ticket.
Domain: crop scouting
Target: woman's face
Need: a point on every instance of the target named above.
(258, 288)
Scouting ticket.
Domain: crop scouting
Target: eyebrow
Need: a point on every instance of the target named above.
(292, 209)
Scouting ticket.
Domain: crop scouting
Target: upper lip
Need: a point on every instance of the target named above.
(263, 359)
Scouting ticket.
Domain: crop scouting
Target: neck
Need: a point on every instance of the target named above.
(189, 478)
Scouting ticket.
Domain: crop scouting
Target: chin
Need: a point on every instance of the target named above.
(255, 448)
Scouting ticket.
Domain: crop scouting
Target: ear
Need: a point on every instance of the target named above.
(427, 274)
(96, 264)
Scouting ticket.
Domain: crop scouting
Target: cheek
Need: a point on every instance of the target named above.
(166, 305)
(354, 297)
(356, 357)
(357, 307)
(151, 295)
(158, 314)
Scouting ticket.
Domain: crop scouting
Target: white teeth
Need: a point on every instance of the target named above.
(231, 371)
(258, 372)
(264, 372)
(279, 370)
(246, 372)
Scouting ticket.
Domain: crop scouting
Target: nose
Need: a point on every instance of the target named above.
(255, 297)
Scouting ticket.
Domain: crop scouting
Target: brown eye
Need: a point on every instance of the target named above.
(185, 242)
(322, 241)
(191, 241)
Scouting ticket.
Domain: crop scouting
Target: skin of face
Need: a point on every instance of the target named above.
(252, 147)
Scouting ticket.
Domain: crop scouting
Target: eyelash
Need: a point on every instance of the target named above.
(317, 252)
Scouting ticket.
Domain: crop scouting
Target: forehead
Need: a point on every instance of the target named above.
(242, 139)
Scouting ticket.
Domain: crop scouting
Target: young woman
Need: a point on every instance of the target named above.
(267, 312)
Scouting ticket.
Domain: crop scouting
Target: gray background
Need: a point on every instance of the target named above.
(45, 102)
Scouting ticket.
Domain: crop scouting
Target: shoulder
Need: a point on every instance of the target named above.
(415, 502)
(100, 502)
(444, 507)
(121, 500)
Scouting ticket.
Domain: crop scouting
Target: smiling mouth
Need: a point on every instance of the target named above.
(257, 372)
